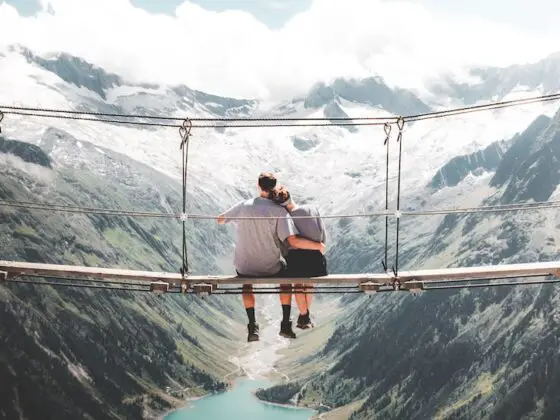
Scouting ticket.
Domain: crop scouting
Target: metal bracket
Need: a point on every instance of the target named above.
(414, 287)
(3, 275)
(369, 288)
(203, 289)
(159, 287)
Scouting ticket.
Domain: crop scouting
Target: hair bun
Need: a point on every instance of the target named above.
(280, 195)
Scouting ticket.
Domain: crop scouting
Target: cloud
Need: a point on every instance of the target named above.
(232, 53)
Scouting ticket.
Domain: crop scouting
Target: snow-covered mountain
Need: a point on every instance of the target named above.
(86, 351)
(339, 169)
(496, 84)
(502, 156)
(460, 354)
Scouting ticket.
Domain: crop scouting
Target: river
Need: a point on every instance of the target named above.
(256, 360)
(239, 403)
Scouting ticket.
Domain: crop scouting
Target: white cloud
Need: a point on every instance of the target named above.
(232, 53)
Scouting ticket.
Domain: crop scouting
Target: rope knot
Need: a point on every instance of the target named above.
(185, 131)
(387, 128)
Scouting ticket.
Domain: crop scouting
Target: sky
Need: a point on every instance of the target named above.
(275, 49)
(274, 13)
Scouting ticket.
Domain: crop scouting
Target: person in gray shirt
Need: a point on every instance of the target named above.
(259, 247)
(304, 262)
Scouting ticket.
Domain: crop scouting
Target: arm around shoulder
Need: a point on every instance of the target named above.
(302, 243)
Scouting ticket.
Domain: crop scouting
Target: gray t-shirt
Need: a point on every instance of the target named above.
(258, 249)
(312, 229)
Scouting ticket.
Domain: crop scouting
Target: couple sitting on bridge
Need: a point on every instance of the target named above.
(277, 245)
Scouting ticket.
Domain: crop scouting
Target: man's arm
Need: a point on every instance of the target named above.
(303, 243)
(287, 231)
(231, 212)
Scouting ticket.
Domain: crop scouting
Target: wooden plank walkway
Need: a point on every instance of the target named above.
(481, 272)
(414, 277)
(14, 268)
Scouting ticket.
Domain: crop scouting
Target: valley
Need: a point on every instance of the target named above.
(446, 354)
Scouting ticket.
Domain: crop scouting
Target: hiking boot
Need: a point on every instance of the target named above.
(304, 322)
(286, 330)
(253, 332)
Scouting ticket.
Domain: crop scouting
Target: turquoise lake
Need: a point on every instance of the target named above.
(238, 403)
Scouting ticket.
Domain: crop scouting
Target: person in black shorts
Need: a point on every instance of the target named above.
(304, 262)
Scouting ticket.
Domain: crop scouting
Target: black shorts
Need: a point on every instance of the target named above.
(306, 263)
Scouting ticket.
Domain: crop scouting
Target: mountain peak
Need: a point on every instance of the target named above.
(371, 91)
(483, 83)
(25, 151)
(529, 169)
(75, 70)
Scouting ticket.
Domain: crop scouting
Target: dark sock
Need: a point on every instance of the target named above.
(251, 315)
(286, 309)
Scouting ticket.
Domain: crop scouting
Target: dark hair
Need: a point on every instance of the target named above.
(267, 182)
(280, 195)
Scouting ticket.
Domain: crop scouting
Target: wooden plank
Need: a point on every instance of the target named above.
(35, 269)
(480, 272)
(413, 277)
(354, 279)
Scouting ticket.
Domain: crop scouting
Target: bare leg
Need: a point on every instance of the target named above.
(301, 299)
(248, 296)
(308, 297)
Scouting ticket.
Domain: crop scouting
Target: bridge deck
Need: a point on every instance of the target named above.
(414, 278)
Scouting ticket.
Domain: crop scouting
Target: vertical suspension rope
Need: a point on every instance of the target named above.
(400, 125)
(387, 128)
(1, 118)
(185, 133)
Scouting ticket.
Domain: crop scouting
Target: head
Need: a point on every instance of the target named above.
(266, 184)
(282, 197)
